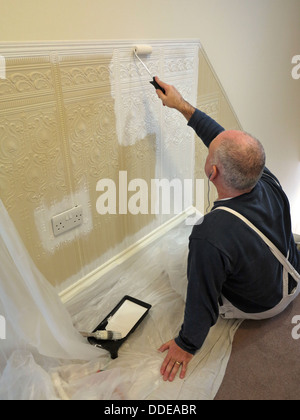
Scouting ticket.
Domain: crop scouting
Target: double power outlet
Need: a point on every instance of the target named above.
(67, 220)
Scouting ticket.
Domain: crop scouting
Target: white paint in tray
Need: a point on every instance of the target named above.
(126, 317)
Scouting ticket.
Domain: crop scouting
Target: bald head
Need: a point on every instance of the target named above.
(240, 159)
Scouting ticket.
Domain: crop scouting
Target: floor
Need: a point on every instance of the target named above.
(265, 360)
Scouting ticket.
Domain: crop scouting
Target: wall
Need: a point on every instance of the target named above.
(250, 44)
(75, 118)
(76, 115)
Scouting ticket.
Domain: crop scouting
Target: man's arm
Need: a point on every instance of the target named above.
(173, 99)
(205, 127)
(206, 275)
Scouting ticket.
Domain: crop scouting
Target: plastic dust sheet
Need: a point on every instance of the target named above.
(44, 358)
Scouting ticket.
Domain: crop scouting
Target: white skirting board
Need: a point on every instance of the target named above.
(95, 275)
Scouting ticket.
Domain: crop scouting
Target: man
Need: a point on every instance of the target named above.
(231, 271)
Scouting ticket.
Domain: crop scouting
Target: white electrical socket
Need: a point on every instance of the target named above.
(67, 220)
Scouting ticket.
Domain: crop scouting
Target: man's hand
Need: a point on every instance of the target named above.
(175, 359)
(173, 99)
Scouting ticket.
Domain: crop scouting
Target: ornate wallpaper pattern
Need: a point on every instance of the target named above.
(73, 114)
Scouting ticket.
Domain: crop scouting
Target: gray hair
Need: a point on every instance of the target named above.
(241, 163)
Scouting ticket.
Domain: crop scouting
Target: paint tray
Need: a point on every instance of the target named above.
(124, 318)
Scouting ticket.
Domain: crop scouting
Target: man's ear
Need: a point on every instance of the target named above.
(214, 172)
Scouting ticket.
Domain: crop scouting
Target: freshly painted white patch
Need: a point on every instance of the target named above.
(44, 214)
(125, 318)
(137, 109)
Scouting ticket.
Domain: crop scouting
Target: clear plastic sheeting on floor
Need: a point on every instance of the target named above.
(44, 358)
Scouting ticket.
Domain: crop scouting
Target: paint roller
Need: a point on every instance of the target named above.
(146, 50)
(103, 335)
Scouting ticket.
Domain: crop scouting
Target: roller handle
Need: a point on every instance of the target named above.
(156, 85)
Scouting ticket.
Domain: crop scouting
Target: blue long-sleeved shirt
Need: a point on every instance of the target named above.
(227, 257)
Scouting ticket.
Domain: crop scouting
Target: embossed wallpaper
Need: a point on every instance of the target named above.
(73, 114)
